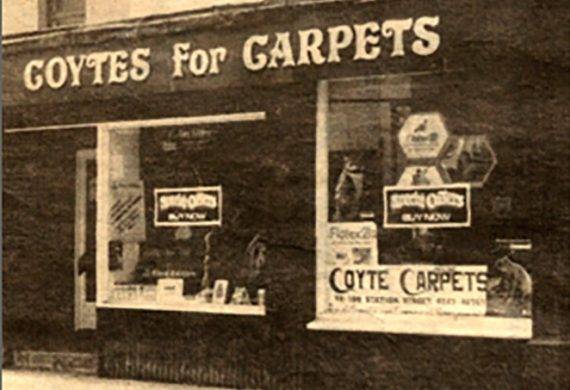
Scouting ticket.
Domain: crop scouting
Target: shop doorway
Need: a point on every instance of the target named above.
(85, 231)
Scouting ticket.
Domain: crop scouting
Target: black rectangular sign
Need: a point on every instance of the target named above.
(193, 206)
(444, 206)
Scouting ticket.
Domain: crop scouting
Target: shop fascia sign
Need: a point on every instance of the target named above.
(392, 38)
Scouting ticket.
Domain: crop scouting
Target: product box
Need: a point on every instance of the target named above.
(170, 290)
(127, 292)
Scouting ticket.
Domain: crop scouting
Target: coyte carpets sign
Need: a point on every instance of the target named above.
(356, 282)
(410, 288)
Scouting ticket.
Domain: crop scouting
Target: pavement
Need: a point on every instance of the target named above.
(44, 380)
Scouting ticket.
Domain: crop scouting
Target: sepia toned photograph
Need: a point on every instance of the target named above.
(285, 194)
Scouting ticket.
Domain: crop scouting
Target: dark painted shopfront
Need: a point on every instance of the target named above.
(335, 195)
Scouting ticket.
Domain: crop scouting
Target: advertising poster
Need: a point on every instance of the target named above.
(353, 243)
(427, 206)
(193, 206)
(127, 213)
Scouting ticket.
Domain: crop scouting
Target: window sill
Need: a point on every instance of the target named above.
(194, 307)
(463, 326)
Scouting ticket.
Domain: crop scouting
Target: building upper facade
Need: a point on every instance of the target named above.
(24, 16)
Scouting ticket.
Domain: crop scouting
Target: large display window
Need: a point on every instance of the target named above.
(178, 229)
(403, 204)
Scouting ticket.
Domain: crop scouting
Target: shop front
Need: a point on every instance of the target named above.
(311, 196)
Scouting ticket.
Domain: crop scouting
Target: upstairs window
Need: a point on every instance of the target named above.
(57, 13)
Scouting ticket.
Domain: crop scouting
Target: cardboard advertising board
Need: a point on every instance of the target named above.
(468, 159)
(423, 135)
(169, 290)
(353, 243)
(193, 206)
(127, 213)
(445, 206)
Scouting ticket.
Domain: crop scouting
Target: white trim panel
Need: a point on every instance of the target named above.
(179, 121)
(449, 325)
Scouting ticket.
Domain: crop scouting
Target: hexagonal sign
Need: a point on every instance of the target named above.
(468, 159)
(423, 135)
(417, 175)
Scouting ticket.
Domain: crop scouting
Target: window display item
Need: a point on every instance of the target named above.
(148, 293)
(256, 253)
(205, 296)
(115, 255)
(419, 175)
(469, 158)
(510, 291)
(240, 296)
(220, 291)
(170, 290)
(183, 233)
(206, 262)
(444, 206)
(423, 135)
(127, 213)
(261, 297)
(129, 292)
(349, 190)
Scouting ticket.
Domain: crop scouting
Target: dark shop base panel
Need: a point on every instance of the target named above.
(339, 361)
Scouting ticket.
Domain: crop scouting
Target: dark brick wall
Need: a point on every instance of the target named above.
(38, 197)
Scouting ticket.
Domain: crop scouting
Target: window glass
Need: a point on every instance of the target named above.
(408, 220)
(184, 218)
(65, 12)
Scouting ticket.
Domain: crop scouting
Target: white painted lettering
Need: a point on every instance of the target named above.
(396, 28)
(310, 47)
(260, 60)
(340, 37)
(282, 51)
(140, 69)
(428, 41)
(364, 39)
(34, 80)
(56, 72)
